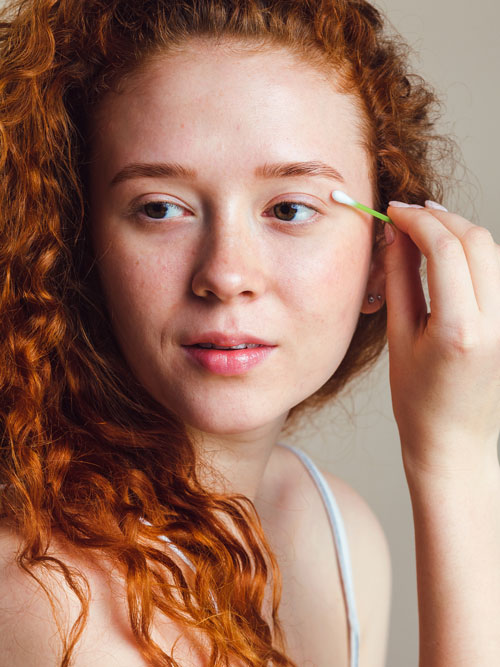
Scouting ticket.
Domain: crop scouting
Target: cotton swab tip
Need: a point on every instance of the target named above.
(342, 198)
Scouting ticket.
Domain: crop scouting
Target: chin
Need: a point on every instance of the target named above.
(227, 420)
(226, 426)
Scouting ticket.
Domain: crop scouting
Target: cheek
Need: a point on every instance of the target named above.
(332, 287)
(139, 285)
(329, 282)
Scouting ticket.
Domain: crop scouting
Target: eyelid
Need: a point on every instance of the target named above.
(295, 199)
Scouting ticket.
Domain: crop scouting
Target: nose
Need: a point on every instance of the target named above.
(230, 264)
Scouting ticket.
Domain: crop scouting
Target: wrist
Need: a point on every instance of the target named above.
(434, 462)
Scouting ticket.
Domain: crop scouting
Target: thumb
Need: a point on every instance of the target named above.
(405, 299)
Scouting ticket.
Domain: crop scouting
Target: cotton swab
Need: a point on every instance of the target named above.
(342, 198)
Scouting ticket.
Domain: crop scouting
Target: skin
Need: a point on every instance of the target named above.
(445, 361)
(445, 385)
(225, 261)
(227, 265)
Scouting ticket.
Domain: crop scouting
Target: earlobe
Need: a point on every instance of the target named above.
(375, 292)
(372, 303)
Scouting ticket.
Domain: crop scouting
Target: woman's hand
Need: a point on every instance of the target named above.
(444, 365)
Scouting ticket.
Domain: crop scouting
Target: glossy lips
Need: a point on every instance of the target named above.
(227, 362)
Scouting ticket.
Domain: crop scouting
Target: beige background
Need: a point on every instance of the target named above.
(456, 48)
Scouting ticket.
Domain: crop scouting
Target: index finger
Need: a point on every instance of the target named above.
(451, 292)
(483, 258)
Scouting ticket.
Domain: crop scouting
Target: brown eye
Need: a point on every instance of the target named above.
(156, 209)
(286, 210)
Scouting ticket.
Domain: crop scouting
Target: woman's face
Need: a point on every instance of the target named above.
(221, 249)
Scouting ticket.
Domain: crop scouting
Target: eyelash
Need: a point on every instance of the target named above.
(152, 221)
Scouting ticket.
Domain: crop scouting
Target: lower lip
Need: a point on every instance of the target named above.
(228, 362)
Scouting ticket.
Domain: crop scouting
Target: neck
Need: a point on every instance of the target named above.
(236, 463)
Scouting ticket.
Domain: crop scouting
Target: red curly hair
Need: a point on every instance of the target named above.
(82, 442)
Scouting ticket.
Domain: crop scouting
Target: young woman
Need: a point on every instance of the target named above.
(167, 178)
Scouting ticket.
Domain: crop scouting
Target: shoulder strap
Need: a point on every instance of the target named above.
(340, 538)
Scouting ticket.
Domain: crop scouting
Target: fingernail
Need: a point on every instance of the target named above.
(433, 204)
(389, 233)
(400, 204)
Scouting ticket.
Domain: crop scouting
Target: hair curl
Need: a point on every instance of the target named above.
(82, 443)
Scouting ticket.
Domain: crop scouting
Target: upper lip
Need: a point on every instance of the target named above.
(225, 339)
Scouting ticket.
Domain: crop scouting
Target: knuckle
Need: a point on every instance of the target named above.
(478, 235)
(462, 339)
(447, 245)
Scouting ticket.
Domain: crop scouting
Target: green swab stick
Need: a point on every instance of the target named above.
(342, 198)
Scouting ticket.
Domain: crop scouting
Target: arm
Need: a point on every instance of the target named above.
(457, 540)
(445, 385)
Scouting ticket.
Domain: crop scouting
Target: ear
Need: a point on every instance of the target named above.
(374, 297)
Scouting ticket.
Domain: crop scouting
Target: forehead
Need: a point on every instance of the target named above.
(225, 109)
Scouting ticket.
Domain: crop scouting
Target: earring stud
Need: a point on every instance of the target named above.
(371, 298)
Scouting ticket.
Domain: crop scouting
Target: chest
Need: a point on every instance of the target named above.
(311, 611)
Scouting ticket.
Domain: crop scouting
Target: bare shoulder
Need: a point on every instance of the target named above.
(27, 638)
(368, 549)
(371, 569)
(29, 633)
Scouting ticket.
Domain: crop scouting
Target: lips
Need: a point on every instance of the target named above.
(225, 339)
(228, 362)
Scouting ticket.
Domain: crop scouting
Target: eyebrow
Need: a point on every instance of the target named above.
(266, 171)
